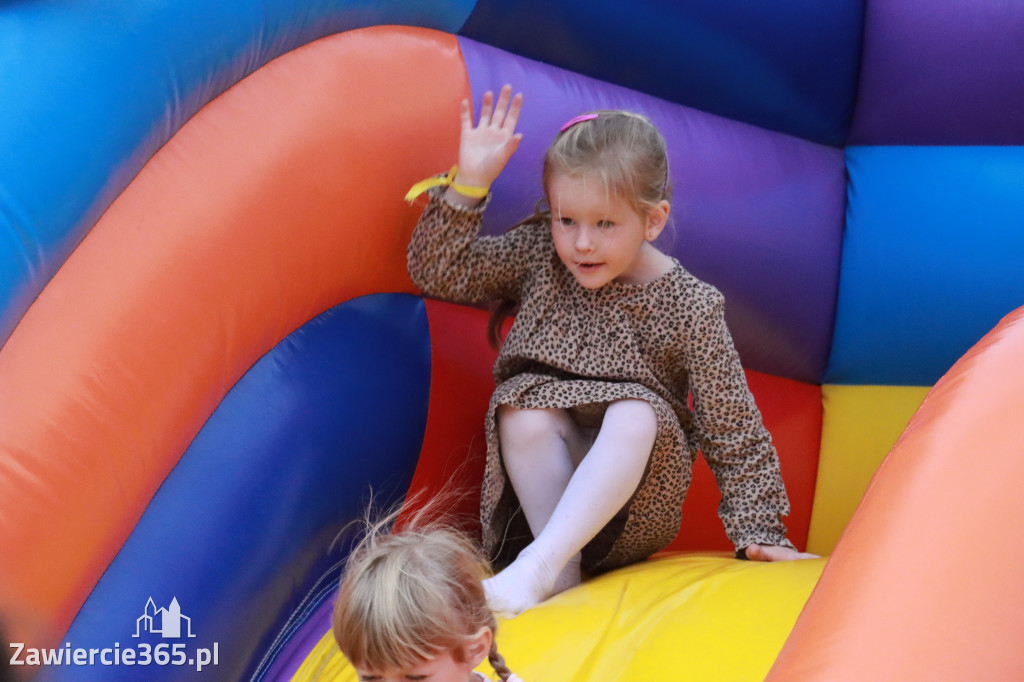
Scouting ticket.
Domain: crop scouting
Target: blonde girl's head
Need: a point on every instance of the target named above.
(622, 148)
(412, 595)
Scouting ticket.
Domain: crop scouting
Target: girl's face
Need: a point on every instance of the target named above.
(441, 668)
(598, 235)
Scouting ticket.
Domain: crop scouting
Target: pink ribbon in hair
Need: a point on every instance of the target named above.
(579, 119)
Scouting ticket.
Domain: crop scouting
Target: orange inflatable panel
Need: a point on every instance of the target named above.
(254, 218)
(926, 582)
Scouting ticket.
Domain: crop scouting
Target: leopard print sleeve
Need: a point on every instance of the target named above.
(448, 259)
(736, 444)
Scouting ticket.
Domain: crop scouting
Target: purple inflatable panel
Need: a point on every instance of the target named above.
(941, 73)
(756, 213)
(301, 643)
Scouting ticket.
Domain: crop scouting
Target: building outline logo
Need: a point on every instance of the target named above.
(169, 620)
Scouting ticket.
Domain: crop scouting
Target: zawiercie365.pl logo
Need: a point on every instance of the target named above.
(169, 623)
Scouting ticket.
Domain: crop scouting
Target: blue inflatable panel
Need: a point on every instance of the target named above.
(245, 521)
(933, 258)
(92, 88)
(787, 65)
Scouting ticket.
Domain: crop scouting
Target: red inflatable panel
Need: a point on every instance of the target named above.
(452, 458)
(792, 412)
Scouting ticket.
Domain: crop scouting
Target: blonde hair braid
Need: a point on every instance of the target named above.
(497, 661)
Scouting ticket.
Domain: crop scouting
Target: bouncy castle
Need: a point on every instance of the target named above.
(211, 352)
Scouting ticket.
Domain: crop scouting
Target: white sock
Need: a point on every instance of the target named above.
(570, 576)
(526, 582)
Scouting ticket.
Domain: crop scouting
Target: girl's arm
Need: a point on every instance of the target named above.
(736, 444)
(446, 258)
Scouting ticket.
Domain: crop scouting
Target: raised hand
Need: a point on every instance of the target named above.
(486, 148)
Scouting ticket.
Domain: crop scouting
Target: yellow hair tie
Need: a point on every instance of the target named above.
(449, 181)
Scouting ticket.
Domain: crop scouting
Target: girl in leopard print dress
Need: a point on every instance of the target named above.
(590, 438)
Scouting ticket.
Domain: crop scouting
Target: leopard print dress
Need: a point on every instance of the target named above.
(580, 349)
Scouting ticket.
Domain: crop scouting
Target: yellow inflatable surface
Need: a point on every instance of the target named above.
(850, 453)
(677, 617)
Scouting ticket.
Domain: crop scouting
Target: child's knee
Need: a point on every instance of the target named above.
(635, 417)
(529, 424)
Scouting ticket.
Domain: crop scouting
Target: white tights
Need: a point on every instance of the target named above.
(568, 493)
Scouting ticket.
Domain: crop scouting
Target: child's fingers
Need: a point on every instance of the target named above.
(513, 113)
(465, 114)
(486, 108)
(776, 553)
(501, 108)
(513, 144)
(509, 147)
(762, 553)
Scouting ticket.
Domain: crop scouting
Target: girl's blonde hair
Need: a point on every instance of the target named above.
(411, 593)
(622, 149)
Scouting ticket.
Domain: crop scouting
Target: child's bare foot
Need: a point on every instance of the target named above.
(526, 582)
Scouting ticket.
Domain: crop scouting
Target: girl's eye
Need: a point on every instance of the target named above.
(605, 224)
(565, 222)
